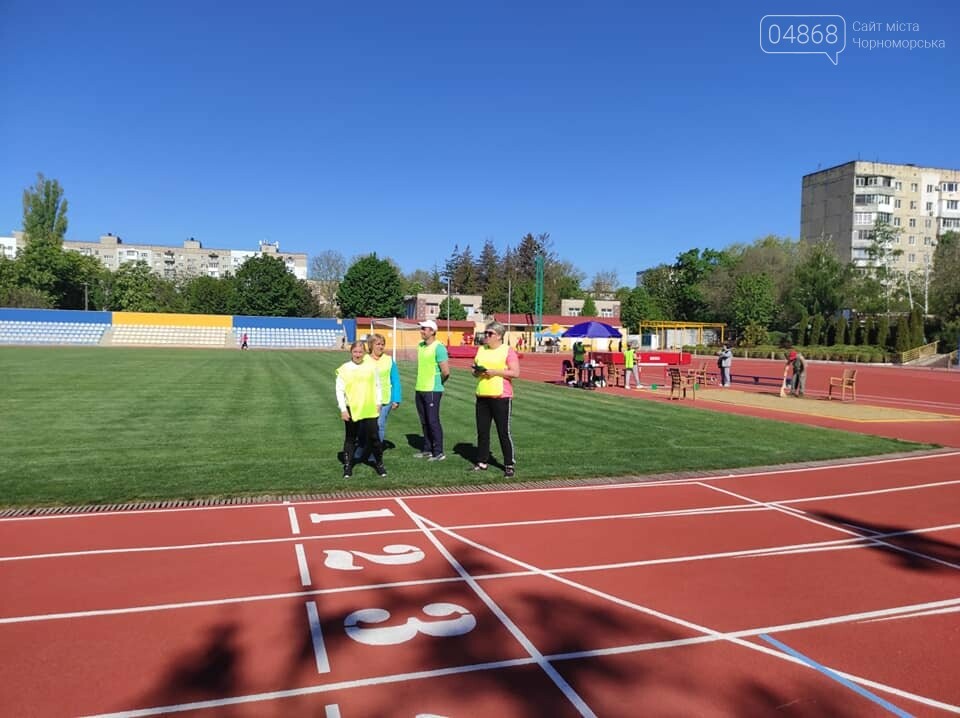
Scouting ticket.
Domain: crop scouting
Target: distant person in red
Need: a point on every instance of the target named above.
(243, 341)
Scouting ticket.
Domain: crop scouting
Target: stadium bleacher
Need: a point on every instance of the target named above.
(289, 338)
(153, 335)
(30, 332)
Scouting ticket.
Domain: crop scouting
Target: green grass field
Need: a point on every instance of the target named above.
(84, 426)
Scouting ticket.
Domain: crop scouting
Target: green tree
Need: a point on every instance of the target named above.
(457, 312)
(635, 307)
(589, 308)
(840, 333)
(133, 288)
(944, 289)
(371, 288)
(882, 253)
(754, 300)
(902, 338)
(816, 330)
(690, 272)
(209, 295)
(263, 287)
(883, 332)
(821, 280)
(755, 334)
(658, 284)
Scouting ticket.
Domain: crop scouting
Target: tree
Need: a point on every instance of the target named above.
(457, 312)
(133, 288)
(821, 280)
(589, 308)
(635, 307)
(658, 283)
(753, 300)
(881, 254)
(370, 288)
(40, 264)
(816, 330)
(327, 270)
(263, 287)
(604, 284)
(944, 287)
(209, 295)
(690, 270)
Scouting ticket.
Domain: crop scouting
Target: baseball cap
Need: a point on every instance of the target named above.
(793, 355)
(429, 324)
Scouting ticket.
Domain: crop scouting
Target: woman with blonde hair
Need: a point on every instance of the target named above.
(358, 396)
(495, 367)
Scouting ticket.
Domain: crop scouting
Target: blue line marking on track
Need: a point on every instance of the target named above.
(836, 676)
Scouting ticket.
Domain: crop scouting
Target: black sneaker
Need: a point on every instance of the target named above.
(381, 470)
(347, 471)
(509, 472)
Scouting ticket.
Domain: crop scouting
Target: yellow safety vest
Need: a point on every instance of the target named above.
(492, 359)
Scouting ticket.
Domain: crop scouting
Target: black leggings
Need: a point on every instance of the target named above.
(499, 411)
(372, 444)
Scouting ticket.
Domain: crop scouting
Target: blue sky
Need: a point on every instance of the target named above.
(629, 133)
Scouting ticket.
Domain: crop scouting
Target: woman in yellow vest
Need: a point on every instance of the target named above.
(358, 396)
(495, 367)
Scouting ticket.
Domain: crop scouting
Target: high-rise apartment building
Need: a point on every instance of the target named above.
(842, 205)
(190, 260)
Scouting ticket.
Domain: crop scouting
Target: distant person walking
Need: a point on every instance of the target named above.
(725, 362)
(358, 396)
(433, 370)
(630, 367)
(244, 344)
(495, 367)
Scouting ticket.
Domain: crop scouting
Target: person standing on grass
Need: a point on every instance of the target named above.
(630, 367)
(358, 396)
(724, 362)
(390, 395)
(243, 342)
(798, 363)
(433, 370)
(495, 367)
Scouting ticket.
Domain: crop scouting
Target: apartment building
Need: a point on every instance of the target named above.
(606, 308)
(843, 203)
(189, 260)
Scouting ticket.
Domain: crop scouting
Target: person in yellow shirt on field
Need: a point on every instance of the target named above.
(358, 396)
(495, 367)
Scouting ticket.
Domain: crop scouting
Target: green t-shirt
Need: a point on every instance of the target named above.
(429, 357)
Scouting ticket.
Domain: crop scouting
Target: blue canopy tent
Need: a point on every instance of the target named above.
(591, 330)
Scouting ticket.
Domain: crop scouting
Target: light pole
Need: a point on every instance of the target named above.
(86, 303)
(448, 310)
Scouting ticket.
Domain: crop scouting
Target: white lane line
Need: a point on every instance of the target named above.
(853, 531)
(918, 614)
(348, 515)
(312, 690)
(316, 635)
(302, 565)
(220, 601)
(559, 681)
(855, 494)
(511, 491)
(294, 524)
(709, 632)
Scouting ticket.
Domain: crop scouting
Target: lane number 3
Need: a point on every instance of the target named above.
(358, 624)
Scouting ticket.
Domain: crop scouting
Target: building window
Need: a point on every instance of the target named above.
(953, 203)
(914, 187)
(865, 234)
(896, 204)
(912, 240)
(863, 218)
(896, 221)
(884, 217)
(898, 185)
(913, 204)
(861, 182)
(929, 206)
(913, 223)
(926, 241)
(911, 258)
(927, 222)
(949, 186)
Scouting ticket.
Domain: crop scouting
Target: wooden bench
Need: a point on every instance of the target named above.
(847, 381)
(680, 382)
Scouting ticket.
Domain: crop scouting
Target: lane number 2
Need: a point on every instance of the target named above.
(393, 555)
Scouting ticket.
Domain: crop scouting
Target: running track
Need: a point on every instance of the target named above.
(811, 592)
